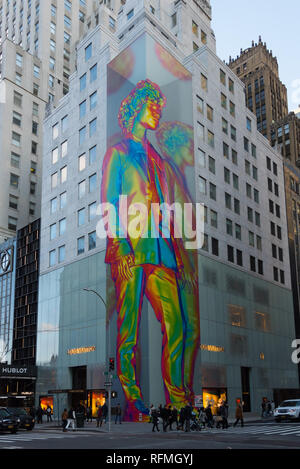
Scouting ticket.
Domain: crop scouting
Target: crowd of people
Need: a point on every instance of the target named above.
(188, 418)
(267, 408)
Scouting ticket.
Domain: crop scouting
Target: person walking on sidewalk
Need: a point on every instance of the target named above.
(48, 413)
(118, 414)
(188, 416)
(239, 414)
(39, 414)
(89, 415)
(99, 416)
(71, 419)
(104, 413)
(64, 418)
(155, 420)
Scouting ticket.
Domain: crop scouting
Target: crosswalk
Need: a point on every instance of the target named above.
(269, 429)
(19, 438)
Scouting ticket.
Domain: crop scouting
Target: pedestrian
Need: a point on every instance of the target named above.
(239, 414)
(263, 408)
(224, 415)
(269, 409)
(39, 414)
(118, 414)
(71, 419)
(48, 413)
(174, 418)
(164, 413)
(89, 415)
(209, 416)
(272, 407)
(202, 417)
(104, 413)
(181, 418)
(169, 418)
(155, 419)
(188, 416)
(64, 418)
(99, 416)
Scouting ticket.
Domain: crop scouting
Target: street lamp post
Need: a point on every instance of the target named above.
(107, 384)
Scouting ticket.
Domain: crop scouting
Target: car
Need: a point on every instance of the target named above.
(26, 421)
(288, 410)
(8, 423)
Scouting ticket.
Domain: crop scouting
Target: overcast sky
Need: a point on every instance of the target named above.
(237, 22)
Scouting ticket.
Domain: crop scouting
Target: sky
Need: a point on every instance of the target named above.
(237, 22)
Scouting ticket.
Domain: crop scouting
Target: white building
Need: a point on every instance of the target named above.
(245, 287)
(37, 44)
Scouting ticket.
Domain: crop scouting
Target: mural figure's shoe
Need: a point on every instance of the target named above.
(136, 411)
(140, 406)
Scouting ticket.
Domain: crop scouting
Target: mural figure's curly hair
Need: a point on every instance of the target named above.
(144, 91)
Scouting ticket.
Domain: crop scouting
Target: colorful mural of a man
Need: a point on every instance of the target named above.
(148, 263)
(176, 143)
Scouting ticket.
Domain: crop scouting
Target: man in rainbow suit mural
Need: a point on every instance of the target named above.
(145, 257)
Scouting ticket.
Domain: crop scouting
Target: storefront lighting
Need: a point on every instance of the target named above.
(80, 350)
(212, 348)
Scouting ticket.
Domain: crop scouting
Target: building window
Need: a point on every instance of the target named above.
(215, 246)
(14, 180)
(93, 127)
(92, 240)
(230, 253)
(82, 162)
(62, 226)
(54, 180)
(80, 245)
(82, 135)
(92, 211)
(13, 202)
(61, 254)
(93, 154)
(52, 258)
(83, 82)
(93, 73)
(81, 217)
(52, 231)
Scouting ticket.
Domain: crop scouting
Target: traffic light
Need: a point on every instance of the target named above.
(111, 364)
(114, 394)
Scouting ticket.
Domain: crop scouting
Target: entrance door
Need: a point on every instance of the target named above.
(245, 375)
(79, 394)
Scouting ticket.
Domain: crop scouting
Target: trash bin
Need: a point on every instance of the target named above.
(79, 420)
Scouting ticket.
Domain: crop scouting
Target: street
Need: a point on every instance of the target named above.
(258, 435)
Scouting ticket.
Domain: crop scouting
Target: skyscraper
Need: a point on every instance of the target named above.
(36, 59)
(266, 95)
(244, 290)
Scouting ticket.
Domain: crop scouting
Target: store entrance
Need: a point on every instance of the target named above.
(79, 393)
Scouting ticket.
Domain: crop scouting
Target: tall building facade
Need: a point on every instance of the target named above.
(36, 59)
(244, 290)
(285, 136)
(266, 95)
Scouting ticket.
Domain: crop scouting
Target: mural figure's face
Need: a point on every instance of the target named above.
(150, 115)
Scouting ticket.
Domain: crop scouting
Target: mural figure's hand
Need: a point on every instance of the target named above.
(124, 264)
(187, 280)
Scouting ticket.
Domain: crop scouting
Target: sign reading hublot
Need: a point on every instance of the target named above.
(17, 372)
(6, 261)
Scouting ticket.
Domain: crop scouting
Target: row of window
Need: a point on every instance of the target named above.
(59, 255)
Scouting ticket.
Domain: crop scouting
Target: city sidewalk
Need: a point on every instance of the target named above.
(128, 427)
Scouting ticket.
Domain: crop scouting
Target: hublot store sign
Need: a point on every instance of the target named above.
(10, 371)
(6, 261)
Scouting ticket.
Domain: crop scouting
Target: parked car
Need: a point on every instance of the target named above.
(288, 410)
(26, 420)
(8, 423)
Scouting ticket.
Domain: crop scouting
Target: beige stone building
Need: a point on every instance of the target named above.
(37, 55)
(266, 96)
